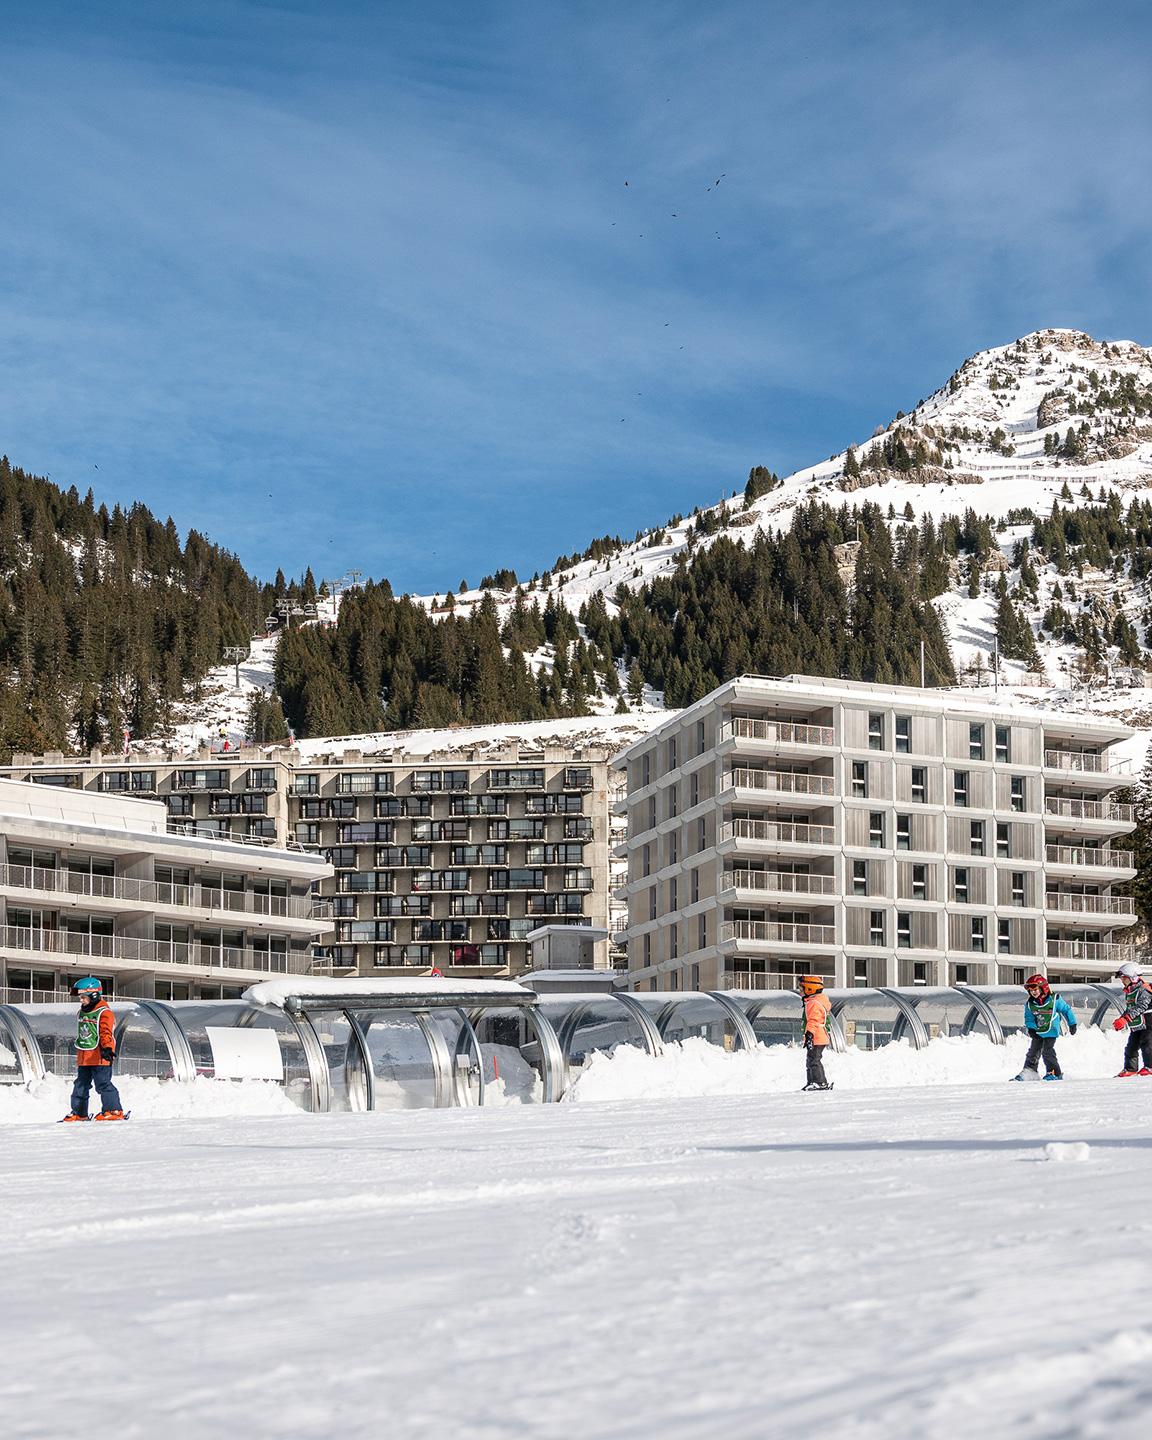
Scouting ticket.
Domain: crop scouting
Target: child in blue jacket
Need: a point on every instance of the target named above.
(1045, 1014)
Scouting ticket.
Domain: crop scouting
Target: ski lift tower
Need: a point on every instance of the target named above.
(236, 653)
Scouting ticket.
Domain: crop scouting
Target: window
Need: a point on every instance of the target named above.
(674, 944)
(919, 784)
(647, 949)
(960, 787)
(859, 970)
(262, 777)
(529, 778)
(1018, 793)
(960, 885)
(919, 972)
(919, 882)
(578, 777)
(306, 785)
(646, 860)
(537, 805)
(860, 877)
(202, 780)
(694, 788)
(1017, 887)
(903, 930)
(238, 804)
(179, 804)
(495, 804)
(1003, 841)
(976, 742)
(646, 769)
(673, 801)
(673, 753)
(311, 809)
(876, 829)
(876, 927)
(342, 808)
(651, 812)
(1004, 937)
(860, 779)
(876, 732)
(979, 938)
(1003, 744)
(903, 734)
(961, 975)
(652, 904)
(695, 888)
(701, 835)
(364, 783)
(976, 837)
(673, 894)
(701, 934)
(903, 832)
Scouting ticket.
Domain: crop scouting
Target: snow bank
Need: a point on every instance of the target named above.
(49, 1099)
(694, 1067)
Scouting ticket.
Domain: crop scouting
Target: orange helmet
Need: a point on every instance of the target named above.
(811, 984)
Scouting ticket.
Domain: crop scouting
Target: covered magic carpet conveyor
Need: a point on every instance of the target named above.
(397, 1045)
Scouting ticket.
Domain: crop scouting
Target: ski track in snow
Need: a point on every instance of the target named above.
(866, 1264)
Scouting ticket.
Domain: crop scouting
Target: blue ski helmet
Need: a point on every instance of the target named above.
(87, 985)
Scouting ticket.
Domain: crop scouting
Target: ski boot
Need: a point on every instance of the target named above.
(1052, 1075)
(1126, 1074)
(1145, 1071)
(111, 1115)
(72, 1119)
(1026, 1075)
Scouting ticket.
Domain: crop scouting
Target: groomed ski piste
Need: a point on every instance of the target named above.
(685, 1247)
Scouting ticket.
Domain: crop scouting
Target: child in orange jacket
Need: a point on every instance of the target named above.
(816, 1012)
(95, 1052)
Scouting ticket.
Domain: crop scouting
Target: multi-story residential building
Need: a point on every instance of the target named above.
(96, 883)
(874, 835)
(440, 858)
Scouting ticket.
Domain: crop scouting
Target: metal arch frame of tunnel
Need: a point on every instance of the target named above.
(179, 1051)
(675, 999)
(908, 1021)
(554, 1065)
(580, 1004)
(28, 1051)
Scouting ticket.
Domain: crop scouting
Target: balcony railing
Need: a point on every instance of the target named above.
(756, 980)
(1085, 761)
(775, 732)
(148, 953)
(778, 832)
(1088, 809)
(782, 782)
(1090, 904)
(771, 932)
(1102, 951)
(154, 894)
(1078, 855)
(770, 881)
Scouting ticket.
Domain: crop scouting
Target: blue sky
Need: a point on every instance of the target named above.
(431, 288)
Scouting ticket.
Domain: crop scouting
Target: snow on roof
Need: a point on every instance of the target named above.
(276, 993)
(605, 732)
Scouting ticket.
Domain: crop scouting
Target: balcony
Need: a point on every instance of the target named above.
(768, 882)
(771, 932)
(1120, 907)
(152, 895)
(226, 837)
(148, 954)
(1084, 762)
(1091, 810)
(1078, 857)
(1101, 952)
(780, 782)
(775, 732)
(774, 833)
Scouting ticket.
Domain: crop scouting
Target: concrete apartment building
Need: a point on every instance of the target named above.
(93, 882)
(873, 835)
(443, 860)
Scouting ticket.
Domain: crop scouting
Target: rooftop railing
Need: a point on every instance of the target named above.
(1088, 809)
(1089, 904)
(757, 980)
(1085, 855)
(205, 832)
(772, 932)
(781, 781)
(775, 732)
(124, 949)
(780, 832)
(155, 894)
(771, 882)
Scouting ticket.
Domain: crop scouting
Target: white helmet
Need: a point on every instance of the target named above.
(1128, 971)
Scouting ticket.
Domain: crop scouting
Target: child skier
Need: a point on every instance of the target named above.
(816, 1012)
(1138, 1019)
(1045, 1012)
(95, 1052)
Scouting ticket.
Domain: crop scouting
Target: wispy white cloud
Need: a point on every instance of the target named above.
(309, 276)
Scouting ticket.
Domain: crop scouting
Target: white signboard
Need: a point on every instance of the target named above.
(245, 1054)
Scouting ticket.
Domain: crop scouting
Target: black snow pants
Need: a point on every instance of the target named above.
(1138, 1050)
(814, 1057)
(1046, 1047)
